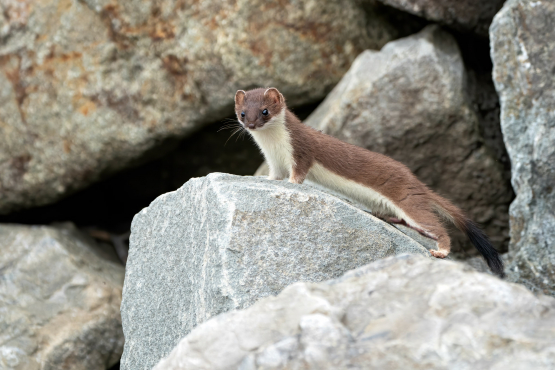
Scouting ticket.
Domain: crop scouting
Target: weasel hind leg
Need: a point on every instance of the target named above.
(429, 225)
(444, 247)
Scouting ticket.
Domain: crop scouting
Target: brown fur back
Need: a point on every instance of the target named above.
(377, 171)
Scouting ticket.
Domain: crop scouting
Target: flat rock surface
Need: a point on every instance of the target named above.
(89, 87)
(59, 301)
(409, 102)
(523, 53)
(404, 312)
(222, 242)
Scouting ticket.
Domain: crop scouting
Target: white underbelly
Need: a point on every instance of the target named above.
(358, 193)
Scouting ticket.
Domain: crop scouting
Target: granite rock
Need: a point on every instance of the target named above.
(522, 49)
(59, 301)
(90, 87)
(403, 312)
(222, 242)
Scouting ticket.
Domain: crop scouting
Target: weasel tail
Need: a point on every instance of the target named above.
(387, 187)
(476, 236)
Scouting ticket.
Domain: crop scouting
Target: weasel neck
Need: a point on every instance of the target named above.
(274, 140)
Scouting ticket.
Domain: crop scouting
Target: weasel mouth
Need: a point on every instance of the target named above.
(252, 126)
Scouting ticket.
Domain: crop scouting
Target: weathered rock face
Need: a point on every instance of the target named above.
(87, 87)
(468, 15)
(408, 101)
(403, 312)
(59, 302)
(523, 46)
(222, 242)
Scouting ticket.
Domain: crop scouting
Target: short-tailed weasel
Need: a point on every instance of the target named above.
(384, 185)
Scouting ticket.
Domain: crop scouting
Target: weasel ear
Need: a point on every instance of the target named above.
(240, 97)
(273, 95)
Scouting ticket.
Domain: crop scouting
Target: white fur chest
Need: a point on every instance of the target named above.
(274, 141)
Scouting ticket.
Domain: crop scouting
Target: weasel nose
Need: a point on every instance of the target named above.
(251, 126)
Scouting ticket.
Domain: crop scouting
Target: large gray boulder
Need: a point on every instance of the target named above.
(401, 313)
(222, 242)
(465, 15)
(523, 50)
(89, 87)
(409, 101)
(59, 301)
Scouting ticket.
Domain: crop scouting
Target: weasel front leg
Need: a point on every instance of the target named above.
(276, 173)
(299, 171)
(273, 176)
(297, 177)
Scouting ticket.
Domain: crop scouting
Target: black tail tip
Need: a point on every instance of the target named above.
(483, 245)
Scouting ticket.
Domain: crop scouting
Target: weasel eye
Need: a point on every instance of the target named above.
(265, 112)
(242, 114)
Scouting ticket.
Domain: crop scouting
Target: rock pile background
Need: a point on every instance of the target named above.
(105, 105)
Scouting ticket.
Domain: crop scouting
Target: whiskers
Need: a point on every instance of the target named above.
(236, 126)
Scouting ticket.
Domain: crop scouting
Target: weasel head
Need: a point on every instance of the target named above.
(259, 109)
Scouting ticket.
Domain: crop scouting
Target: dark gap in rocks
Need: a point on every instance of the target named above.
(403, 24)
(115, 367)
(304, 111)
(475, 51)
(111, 204)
